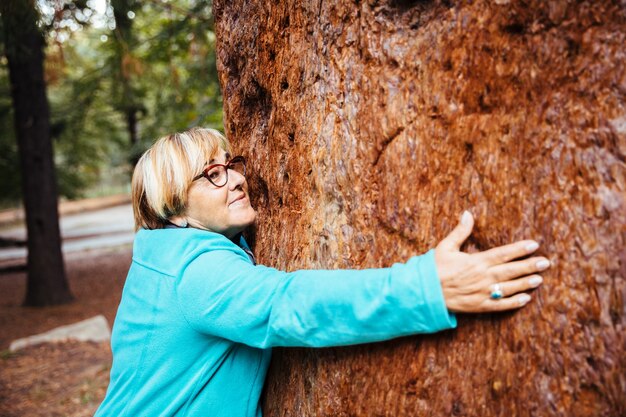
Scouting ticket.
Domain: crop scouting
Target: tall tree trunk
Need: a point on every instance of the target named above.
(24, 44)
(132, 127)
(131, 123)
(371, 125)
(127, 68)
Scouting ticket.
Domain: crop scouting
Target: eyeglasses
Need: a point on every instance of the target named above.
(217, 174)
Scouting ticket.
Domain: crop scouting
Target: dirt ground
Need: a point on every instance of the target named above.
(67, 379)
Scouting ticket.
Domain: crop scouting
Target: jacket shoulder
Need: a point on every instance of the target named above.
(169, 251)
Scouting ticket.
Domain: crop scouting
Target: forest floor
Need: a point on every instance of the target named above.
(66, 379)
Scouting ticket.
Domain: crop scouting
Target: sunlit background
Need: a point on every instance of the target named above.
(120, 73)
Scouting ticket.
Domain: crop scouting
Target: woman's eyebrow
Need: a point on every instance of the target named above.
(226, 157)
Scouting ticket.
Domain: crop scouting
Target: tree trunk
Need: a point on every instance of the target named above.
(127, 68)
(131, 126)
(24, 43)
(371, 125)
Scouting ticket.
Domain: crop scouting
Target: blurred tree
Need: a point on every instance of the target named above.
(134, 70)
(86, 132)
(89, 134)
(114, 88)
(126, 68)
(163, 71)
(24, 43)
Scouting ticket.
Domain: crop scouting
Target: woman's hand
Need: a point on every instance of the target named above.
(471, 283)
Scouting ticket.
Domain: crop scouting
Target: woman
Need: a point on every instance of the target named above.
(197, 319)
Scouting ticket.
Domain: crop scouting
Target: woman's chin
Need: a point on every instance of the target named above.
(247, 217)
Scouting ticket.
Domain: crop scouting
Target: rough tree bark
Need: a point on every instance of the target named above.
(46, 282)
(371, 125)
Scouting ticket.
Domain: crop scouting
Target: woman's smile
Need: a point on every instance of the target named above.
(240, 201)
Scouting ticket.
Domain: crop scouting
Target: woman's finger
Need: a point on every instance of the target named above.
(512, 270)
(460, 233)
(506, 253)
(509, 288)
(504, 304)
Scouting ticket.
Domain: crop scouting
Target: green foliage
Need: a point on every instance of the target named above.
(158, 63)
(6, 354)
(174, 48)
(88, 133)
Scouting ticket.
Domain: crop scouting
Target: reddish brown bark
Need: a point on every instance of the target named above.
(370, 126)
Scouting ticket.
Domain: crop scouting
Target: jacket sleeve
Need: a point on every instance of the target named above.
(221, 293)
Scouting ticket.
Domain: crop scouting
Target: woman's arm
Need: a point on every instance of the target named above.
(221, 293)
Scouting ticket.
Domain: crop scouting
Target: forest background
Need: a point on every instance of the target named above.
(119, 74)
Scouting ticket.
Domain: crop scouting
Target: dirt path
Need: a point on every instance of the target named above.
(66, 379)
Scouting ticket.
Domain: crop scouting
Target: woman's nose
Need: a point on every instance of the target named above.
(235, 179)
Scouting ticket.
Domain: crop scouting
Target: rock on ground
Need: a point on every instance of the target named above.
(95, 329)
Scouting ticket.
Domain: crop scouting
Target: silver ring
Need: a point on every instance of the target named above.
(496, 293)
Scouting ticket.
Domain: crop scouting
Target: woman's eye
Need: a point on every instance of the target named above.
(214, 174)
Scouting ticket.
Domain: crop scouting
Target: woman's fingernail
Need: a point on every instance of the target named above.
(531, 247)
(542, 264)
(523, 299)
(535, 281)
(466, 218)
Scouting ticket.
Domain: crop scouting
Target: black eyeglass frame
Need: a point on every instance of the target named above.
(228, 165)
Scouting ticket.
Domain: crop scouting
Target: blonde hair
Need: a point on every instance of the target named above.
(165, 171)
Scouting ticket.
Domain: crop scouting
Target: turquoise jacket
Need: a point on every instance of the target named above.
(197, 321)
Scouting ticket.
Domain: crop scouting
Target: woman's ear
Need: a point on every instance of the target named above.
(179, 221)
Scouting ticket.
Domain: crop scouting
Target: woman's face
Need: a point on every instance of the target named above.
(224, 210)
